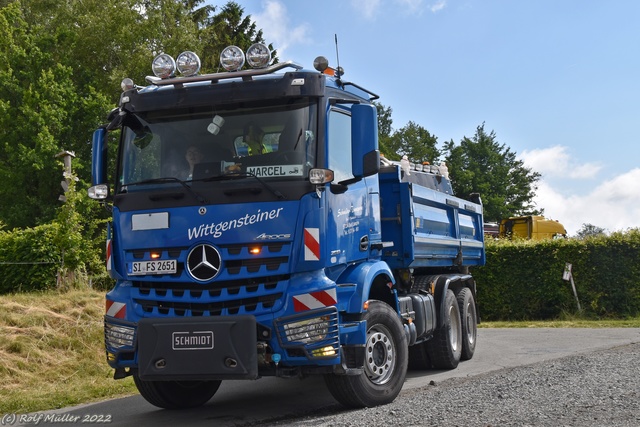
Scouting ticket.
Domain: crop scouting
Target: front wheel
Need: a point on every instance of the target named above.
(385, 364)
(176, 394)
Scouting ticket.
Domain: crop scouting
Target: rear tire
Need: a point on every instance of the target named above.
(385, 364)
(176, 394)
(445, 349)
(469, 322)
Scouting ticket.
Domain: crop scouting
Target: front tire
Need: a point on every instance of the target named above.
(385, 364)
(176, 394)
(445, 349)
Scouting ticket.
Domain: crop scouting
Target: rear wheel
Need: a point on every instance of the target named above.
(469, 324)
(385, 364)
(176, 394)
(445, 348)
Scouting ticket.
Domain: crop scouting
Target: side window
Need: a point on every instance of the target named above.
(340, 145)
(142, 158)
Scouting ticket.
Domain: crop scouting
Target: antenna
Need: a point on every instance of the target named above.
(339, 71)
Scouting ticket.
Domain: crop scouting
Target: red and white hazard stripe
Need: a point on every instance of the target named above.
(109, 255)
(313, 300)
(312, 244)
(116, 309)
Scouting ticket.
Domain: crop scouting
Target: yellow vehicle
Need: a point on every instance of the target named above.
(534, 227)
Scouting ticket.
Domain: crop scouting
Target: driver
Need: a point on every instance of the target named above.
(193, 157)
(252, 136)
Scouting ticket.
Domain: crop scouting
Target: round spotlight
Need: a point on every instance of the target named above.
(163, 66)
(188, 63)
(127, 84)
(258, 56)
(321, 63)
(232, 58)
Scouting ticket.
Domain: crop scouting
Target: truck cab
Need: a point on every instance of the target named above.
(535, 227)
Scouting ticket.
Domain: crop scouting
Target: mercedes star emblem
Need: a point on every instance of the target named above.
(204, 262)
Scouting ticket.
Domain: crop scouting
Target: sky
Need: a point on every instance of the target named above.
(558, 81)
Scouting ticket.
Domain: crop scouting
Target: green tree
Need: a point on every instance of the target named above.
(384, 128)
(61, 64)
(199, 15)
(482, 165)
(414, 141)
(44, 108)
(229, 27)
(590, 230)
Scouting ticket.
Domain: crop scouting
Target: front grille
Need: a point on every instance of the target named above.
(254, 265)
(222, 308)
(214, 299)
(252, 280)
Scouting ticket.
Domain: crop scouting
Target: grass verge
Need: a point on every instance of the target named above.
(572, 323)
(52, 351)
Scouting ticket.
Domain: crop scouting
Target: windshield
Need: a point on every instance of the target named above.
(271, 142)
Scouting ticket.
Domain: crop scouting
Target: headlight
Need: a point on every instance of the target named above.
(98, 192)
(258, 55)
(163, 66)
(307, 331)
(188, 63)
(232, 58)
(117, 336)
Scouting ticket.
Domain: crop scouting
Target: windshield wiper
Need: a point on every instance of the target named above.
(195, 195)
(235, 175)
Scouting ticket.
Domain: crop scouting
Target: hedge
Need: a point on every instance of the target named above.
(523, 279)
(30, 259)
(68, 251)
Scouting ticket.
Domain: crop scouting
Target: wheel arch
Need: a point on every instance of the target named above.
(372, 280)
(455, 282)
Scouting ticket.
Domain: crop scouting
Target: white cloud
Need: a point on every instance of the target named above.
(276, 25)
(412, 6)
(556, 161)
(613, 205)
(368, 8)
(438, 6)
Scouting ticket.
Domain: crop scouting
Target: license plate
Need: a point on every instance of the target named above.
(140, 268)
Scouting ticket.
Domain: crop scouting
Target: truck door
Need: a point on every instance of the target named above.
(349, 206)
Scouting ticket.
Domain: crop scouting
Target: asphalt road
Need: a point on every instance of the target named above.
(247, 403)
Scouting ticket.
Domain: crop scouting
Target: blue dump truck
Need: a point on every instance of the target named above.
(257, 231)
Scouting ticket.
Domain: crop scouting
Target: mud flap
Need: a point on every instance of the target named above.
(217, 348)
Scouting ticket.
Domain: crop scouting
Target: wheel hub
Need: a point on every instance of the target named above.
(380, 356)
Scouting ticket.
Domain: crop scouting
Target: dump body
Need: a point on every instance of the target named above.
(428, 228)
